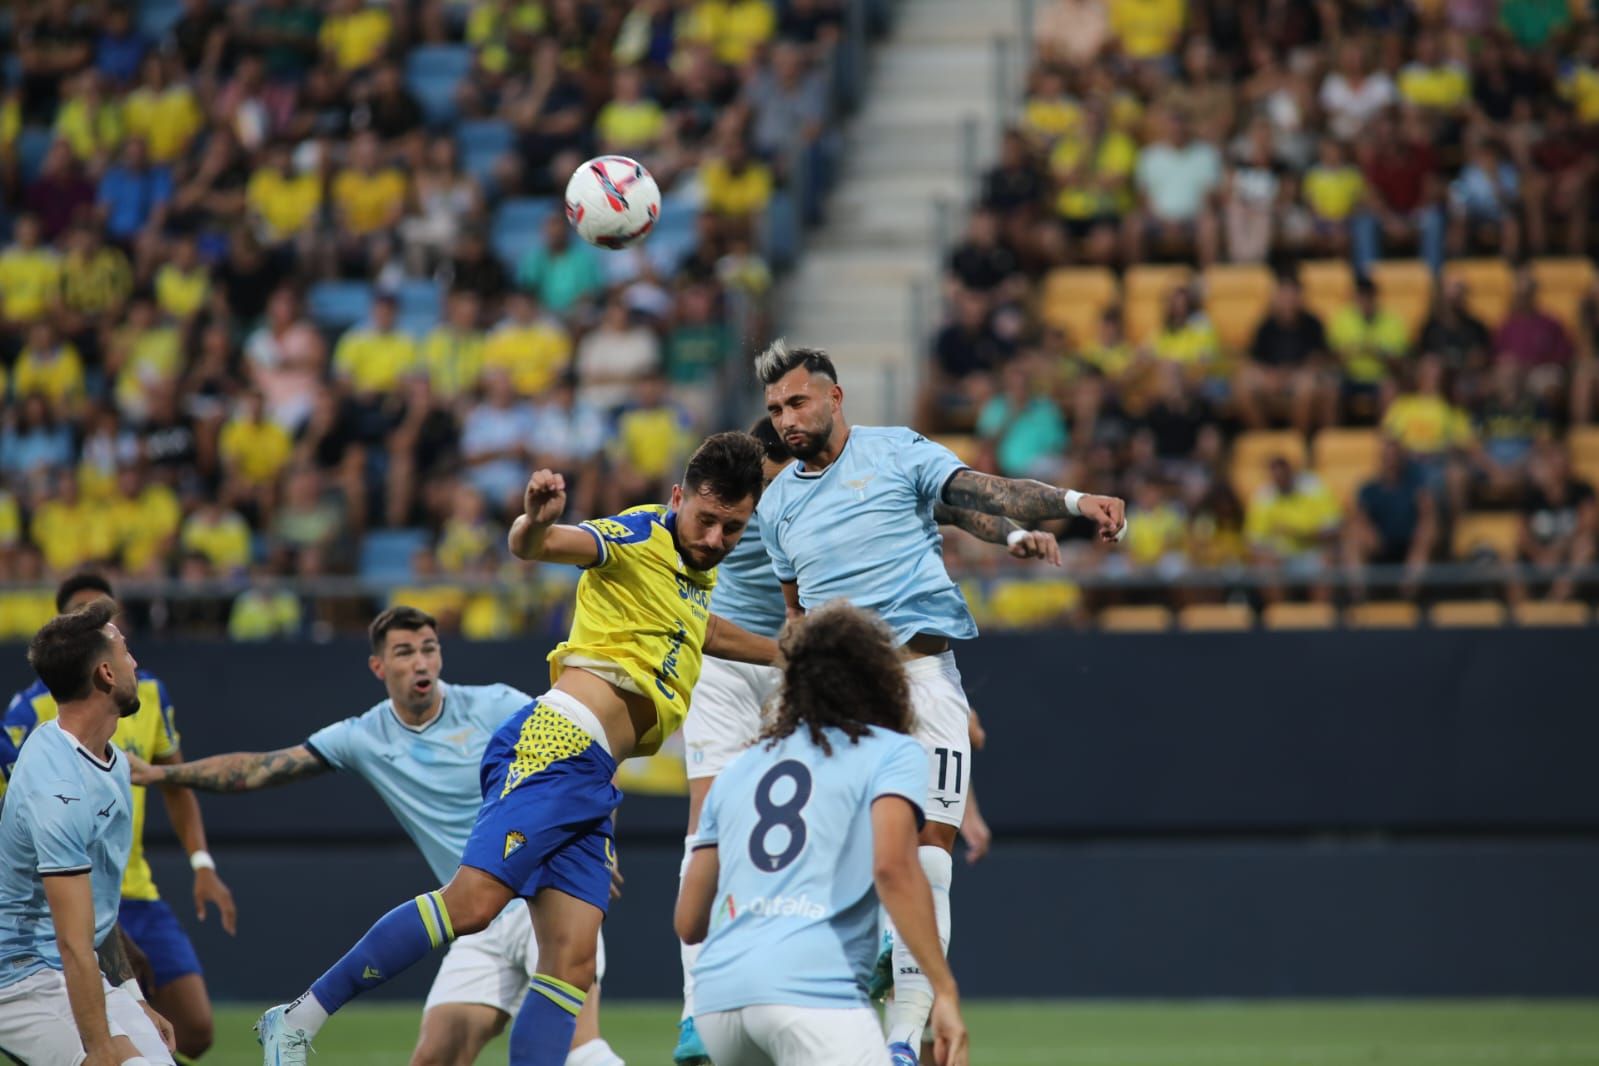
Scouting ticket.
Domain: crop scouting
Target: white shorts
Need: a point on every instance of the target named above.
(37, 1027)
(725, 713)
(494, 967)
(793, 1036)
(942, 723)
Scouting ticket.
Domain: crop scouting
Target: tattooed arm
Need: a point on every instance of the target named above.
(113, 956)
(997, 529)
(241, 771)
(1029, 501)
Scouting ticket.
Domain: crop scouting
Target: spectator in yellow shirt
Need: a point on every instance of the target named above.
(144, 355)
(220, 534)
(283, 204)
(1432, 81)
(1435, 432)
(653, 437)
(254, 451)
(531, 347)
(25, 608)
(1050, 113)
(354, 36)
(372, 359)
(431, 593)
(453, 352)
(1293, 525)
(1147, 29)
(467, 535)
(631, 123)
(92, 125)
(69, 531)
(183, 283)
(733, 28)
(1371, 343)
(266, 610)
(147, 517)
(96, 279)
(1333, 188)
(48, 367)
(737, 187)
(163, 113)
(368, 200)
(30, 275)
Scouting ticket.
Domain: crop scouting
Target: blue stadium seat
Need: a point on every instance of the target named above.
(386, 553)
(156, 17)
(418, 322)
(673, 237)
(434, 73)
(339, 304)
(419, 296)
(482, 143)
(32, 143)
(519, 227)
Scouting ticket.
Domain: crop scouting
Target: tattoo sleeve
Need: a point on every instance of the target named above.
(1016, 498)
(243, 771)
(114, 958)
(992, 528)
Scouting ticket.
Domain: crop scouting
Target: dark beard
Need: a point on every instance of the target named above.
(129, 707)
(812, 445)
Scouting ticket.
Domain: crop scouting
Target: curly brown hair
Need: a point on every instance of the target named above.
(842, 670)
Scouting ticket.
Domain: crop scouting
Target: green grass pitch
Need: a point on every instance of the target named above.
(1464, 1033)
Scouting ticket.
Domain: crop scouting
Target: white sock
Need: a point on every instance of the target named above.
(306, 1013)
(689, 953)
(595, 1053)
(913, 993)
(137, 1060)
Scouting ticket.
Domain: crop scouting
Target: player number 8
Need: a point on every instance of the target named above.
(785, 814)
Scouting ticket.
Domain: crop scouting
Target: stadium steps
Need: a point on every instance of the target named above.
(852, 291)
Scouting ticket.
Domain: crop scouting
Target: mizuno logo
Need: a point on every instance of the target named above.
(106, 812)
(947, 803)
(66, 799)
(371, 974)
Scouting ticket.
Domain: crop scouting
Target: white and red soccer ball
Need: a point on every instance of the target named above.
(612, 201)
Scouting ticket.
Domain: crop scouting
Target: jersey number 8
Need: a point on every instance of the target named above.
(785, 815)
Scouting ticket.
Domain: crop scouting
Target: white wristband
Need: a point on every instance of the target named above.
(1073, 506)
(1015, 537)
(131, 987)
(202, 860)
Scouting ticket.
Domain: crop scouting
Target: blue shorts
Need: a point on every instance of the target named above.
(547, 805)
(151, 925)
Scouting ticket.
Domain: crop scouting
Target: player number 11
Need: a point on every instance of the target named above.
(943, 768)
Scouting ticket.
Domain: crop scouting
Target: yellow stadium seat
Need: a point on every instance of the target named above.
(1075, 299)
(1583, 443)
(1329, 285)
(1500, 533)
(1253, 450)
(1216, 617)
(1490, 283)
(1300, 616)
(1345, 482)
(1404, 286)
(1135, 619)
(1562, 286)
(1587, 468)
(965, 446)
(1551, 614)
(1382, 616)
(1237, 297)
(1144, 292)
(1467, 614)
(1347, 447)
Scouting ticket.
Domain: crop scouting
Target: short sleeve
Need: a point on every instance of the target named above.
(617, 535)
(929, 466)
(61, 836)
(335, 744)
(707, 834)
(167, 741)
(902, 772)
(781, 566)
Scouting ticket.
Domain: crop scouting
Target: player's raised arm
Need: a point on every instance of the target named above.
(997, 529)
(725, 640)
(535, 536)
(1024, 500)
(240, 771)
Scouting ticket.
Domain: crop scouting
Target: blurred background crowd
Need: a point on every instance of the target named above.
(1310, 284)
(288, 292)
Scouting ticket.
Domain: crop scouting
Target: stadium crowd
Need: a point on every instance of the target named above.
(1308, 283)
(288, 292)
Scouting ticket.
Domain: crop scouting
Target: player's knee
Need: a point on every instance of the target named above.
(472, 905)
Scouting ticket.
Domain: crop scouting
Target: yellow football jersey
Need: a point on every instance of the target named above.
(150, 733)
(641, 616)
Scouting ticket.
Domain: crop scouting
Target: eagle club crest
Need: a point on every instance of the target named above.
(858, 485)
(513, 843)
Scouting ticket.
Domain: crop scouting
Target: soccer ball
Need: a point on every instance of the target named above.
(612, 201)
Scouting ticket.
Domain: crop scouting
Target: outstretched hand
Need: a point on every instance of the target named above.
(544, 500)
(1037, 545)
(1109, 513)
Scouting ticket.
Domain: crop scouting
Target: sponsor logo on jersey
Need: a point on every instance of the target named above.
(785, 907)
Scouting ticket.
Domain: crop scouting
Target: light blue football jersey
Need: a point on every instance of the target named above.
(795, 922)
(67, 812)
(428, 777)
(862, 530)
(748, 593)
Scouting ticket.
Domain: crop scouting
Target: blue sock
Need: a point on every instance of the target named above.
(400, 938)
(542, 1032)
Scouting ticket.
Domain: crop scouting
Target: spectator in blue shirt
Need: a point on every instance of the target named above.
(1395, 520)
(121, 47)
(1483, 200)
(133, 193)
